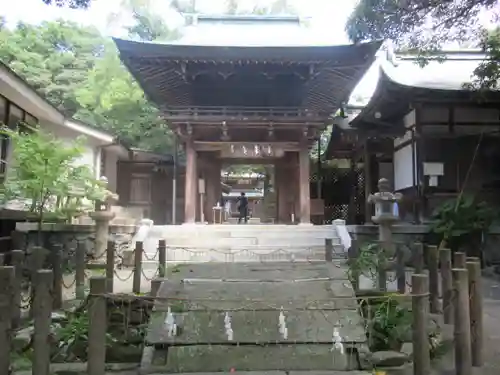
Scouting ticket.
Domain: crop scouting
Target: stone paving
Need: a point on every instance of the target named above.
(316, 298)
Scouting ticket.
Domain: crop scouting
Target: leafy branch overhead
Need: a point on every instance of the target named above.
(69, 3)
(428, 26)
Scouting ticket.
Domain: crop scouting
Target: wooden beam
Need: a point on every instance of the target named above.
(216, 146)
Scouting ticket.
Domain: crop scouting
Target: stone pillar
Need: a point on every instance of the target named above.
(191, 197)
(304, 194)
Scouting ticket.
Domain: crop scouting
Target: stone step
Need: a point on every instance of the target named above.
(242, 231)
(215, 242)
(236, 227)
(257, 254)
(253, 295)
(257, 358)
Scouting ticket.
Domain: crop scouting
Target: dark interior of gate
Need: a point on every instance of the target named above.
(282, 98)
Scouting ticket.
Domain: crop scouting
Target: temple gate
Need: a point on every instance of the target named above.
(247, 104)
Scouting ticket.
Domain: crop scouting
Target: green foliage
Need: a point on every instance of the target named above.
(79, 72)
(72, 337)
(463, 217)
(488, 72)
(69, 3)
(44, 171)
(371, 257)
(111, 98)
(389, 324)
(53, 57)
(426, 26)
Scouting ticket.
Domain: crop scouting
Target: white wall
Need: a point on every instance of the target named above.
(404, 167)
(91, 152)
(111, 169)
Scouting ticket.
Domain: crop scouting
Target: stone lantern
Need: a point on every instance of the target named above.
(386, 214)
(102, 215)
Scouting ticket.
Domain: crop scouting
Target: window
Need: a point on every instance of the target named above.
(3, 110)
(16, 115)
(140, 189)
(29, 124)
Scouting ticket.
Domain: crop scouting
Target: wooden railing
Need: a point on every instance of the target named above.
(244, 112)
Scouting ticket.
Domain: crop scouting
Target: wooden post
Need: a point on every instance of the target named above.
(433, 265)
(328, 250)
(96, 364)
(162, 258)
(382, 270)
(446, 285)
(57, 277)
(136, 285)
(419, 258)
(38, 255)
(459, 260)
(155, 286)
(463, 360)
(420, 306)
(17, 259)
(110, 266)
(42, 310)
(6, 281)
(80, 270)
(352, 255)
(476, 312)
(400, 270)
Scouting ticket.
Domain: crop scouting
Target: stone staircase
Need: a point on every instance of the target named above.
(242, 243)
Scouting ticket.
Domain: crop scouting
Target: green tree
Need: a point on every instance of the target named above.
(426, 26)
(80, 72)
(45, 172)
(113, 99)
(148, 25)
(53, 57)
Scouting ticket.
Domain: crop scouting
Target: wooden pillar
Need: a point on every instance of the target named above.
(281, 188)
(293, 190)
(420, 159)
(191, 182)
(304, 185)
(367, 164)
(351, 211)
(212, 187)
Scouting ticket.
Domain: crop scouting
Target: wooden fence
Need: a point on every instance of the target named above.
(442, 283)
(460, 280)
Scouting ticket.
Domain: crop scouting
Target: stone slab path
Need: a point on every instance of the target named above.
(315, 299)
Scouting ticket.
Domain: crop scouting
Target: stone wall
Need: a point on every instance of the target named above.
(67, 236)
(408, 234)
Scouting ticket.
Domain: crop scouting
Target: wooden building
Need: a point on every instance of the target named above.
(247, 101)
(428, 133)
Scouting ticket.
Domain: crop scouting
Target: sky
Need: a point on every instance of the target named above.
(326, 17)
